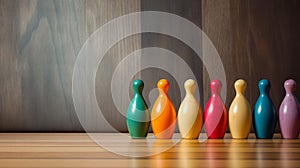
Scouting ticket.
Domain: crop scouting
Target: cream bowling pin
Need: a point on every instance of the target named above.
(215, 113)
(240, 117)
(190, 114)
(289, 112)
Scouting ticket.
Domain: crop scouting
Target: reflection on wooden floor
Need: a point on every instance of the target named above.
(78, 150)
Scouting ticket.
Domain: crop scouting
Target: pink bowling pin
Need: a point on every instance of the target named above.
(215, 113)
(289, 112)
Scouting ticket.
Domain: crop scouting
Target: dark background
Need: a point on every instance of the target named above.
(39, 42)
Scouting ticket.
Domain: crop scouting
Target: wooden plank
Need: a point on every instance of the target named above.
(78, 150)
(144, 149)
(144, 163)
(165, 155)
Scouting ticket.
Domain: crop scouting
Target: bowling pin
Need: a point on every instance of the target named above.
(264, 113)
(215, 113)
(190, 118)
(163, 115)
(240, 117)
(138, 117)
(289, 112)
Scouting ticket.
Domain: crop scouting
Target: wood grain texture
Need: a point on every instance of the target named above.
(255, 40)
(78, 150)
(39, 43)
(190, 10)
(110, 10)
(37, 62)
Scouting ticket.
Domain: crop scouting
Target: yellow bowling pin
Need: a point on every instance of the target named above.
(240, 117)
(190, 118)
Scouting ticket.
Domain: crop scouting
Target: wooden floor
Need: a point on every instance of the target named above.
(78, 150)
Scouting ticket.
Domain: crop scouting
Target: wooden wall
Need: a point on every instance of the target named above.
(39, 42)
(255, 39)
(190, 10)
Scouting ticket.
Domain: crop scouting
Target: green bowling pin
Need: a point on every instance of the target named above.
(138, 117)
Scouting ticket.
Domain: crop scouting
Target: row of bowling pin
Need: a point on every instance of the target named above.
(264, 115)
(163, 115)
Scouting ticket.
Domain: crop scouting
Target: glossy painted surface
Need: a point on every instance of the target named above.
(240, 117)
(264, 112)
(190, 118)
(215, 113)
(163, 115)
(138, 117)
(289, 112)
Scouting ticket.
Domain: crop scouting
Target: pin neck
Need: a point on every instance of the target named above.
(289, 93)
(138, 90)
(163, 92)
(240, 87)
(264, 87)
(189, 95)
(215, 86)
(264, 91)
(138, 86)
(264, 94)
(164, 89)
(289, 90)
(190, 86)
(189, 92)
(215, 94)
(290, 86)
(240, 93)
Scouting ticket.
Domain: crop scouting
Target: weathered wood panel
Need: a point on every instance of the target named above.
(190, 10)
(255, 39)
(39, 42)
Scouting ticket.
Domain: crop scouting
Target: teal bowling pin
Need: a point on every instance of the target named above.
(138, 117)
(264, 115)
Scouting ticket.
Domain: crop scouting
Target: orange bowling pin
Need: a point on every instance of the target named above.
(240, 117)
(163, 115)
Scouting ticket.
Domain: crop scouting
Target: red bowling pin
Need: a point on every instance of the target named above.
(215, 113)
